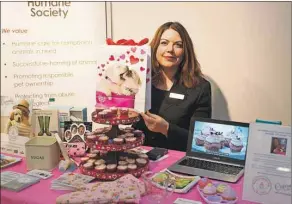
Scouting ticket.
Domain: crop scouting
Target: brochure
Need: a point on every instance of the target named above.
(6, 161)
(268, 164)
(17, 181)
(71, 181)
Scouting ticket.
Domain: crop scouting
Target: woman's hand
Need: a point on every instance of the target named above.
(155, 123)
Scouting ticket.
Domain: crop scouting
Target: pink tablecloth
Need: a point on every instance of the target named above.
(41, 193)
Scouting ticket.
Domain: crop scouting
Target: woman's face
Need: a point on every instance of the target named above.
(169, 53)
(276, 142)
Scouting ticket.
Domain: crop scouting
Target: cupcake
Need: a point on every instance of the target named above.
(123, 158)
(207, 131)
(130, 161)
(98, 131)
(111, 167)
(221, 188)
(92, 156)
(229, 194)
(130, 139)
(99, 162)
(209, 189)
(128, 134)
(143, 156)
(200, 140)
(88, 166)
(123, 163)
(102, 114)
(229, 136)
(129, 129)
(203, 182)
(100, 168)
(98, 109)
(122, 136)
(91, 138)
(141, 162)
(132, 167)
(91, 161)
(124, 111)
(95, 151)
(108, 113)
(103, 139)
(114, 110)
(118, 141)
(235, 145)
(84, 160)
(122, 168)
(212, 144)
(138, 133)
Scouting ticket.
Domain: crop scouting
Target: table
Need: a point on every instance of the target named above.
(41, 193)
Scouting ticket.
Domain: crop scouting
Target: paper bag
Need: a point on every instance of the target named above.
(123, 77)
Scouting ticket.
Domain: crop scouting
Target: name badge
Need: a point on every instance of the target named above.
(176, 96)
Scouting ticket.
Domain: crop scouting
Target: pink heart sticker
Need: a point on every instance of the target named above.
(102, 65)
(148, 70)
(142, 52)
(123, 56)
(128, 52)
(112, 58)
(100, 74)
(133, 49)
(142, 69)
(147, 80)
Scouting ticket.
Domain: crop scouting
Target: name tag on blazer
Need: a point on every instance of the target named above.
(177, 96)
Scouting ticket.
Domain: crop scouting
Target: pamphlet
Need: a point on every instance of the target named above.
(183, 183)
(71, 181)
(6, 161)
(268, 164)
(17, 181)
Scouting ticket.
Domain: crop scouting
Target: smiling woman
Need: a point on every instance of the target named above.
(179, 90)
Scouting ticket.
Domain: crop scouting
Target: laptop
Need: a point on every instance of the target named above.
(216, 149)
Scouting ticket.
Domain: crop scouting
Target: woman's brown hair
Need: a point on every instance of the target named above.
(189, 70)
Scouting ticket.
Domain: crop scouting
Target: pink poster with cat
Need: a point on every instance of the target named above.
(124, 77)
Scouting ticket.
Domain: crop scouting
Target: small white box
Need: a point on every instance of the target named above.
(42, 153)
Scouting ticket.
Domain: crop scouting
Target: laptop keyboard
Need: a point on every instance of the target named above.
(211, 166)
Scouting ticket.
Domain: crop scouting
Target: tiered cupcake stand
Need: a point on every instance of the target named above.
(111, 156)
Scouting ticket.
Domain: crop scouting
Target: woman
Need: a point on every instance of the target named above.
(179, 90)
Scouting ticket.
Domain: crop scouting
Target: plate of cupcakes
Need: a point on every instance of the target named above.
(216, 192)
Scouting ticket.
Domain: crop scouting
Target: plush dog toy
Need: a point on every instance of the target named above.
(15, 118)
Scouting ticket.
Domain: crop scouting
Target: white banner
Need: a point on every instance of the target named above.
(48, 50)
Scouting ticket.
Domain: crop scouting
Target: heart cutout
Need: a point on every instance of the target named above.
(133, 60)
(112, 58)
(141, 59)
(123, 56)
(107, 62)
(148, 70)
(133, 49)
(142, 69)
(102, 65)
(147, 80)
(102, 70)
(118, 59)
(98, 67)
(143, 52)
(100, 74)
(128, 52)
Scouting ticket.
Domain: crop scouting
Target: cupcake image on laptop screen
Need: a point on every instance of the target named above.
(212, 144)
(236, 145)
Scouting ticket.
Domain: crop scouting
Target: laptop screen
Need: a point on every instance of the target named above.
(224, 140)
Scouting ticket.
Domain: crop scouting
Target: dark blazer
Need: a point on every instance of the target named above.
(196, 103)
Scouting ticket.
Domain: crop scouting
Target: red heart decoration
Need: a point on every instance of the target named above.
(142, 52)
(148, 70)
(147, 80)
(142, 69)
(133, 49)
(128, 52)
(102, 65)
(112, 58)
(122, 56)
(133, 60)
(100, 74)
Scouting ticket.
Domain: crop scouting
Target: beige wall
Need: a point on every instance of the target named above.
(244, 48)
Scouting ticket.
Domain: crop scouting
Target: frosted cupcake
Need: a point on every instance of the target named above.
(122, 168)
(212, 144)
(235, 145)
(137, 133)
(123, 163)
(103, 139)
(111, 167)
(200, 140)
(141, 162)
(207, 131)
(88, 166)
(132, 167)
(124, 111)
(100, 168)
(210, 189)
(84, 159)
(229, 194)
(229, 136)
(118, 141)
(130, 161)
(131, 139)
(99, 162)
